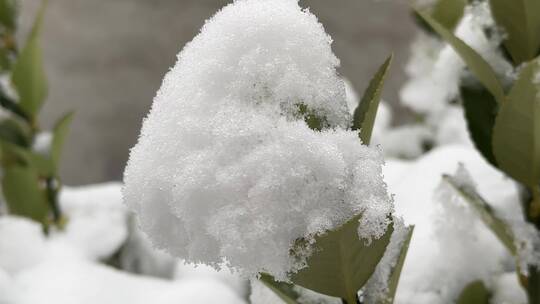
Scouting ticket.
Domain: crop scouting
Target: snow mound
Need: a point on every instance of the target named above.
(226, 169)
(97, 219)
(83, 282)
(21, 243)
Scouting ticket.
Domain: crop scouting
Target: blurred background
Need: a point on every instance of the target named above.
(105, 59)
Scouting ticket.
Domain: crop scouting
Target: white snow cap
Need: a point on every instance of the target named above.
(225, 170)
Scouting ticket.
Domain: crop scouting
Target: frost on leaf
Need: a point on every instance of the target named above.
(226, 170)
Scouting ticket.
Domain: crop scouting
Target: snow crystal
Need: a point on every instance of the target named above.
(226, 169)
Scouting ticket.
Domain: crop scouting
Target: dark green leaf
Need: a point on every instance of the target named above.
(520, 20)
(474, 293)
(480, 109)
(60, 132)
(12, 154)
(284, 291)
(4, 60)
(15, 132)
(449, 12)
(341, 263)
(516, 135)
(8, 14)
(478, 66)
(486, 213)
(23, 194)
(28, 76)
(10, 105)
(365, 113)
(313, 121)
(396, 271)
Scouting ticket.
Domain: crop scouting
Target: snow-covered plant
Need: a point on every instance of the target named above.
(499, 43)
(29, 156)
(250, 158)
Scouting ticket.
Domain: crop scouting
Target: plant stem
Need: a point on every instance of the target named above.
(351, 299)
(52, 197)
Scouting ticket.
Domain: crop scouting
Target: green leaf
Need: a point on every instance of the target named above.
(486, 213)
(15, 132)
(7, 103)
(12, 154)
(23, 194)
(365, 113)
(474, 293)
(480, 109)
(4, 59)
(478, 66)
(8, 14)
(341, 263)
(520, 20)
(313, 121)
(28, 75)
(396, 271)
(449, 12)
(60, 132)
(284, 291)
(516, 135)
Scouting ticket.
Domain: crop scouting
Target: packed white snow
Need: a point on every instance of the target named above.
(68, 265)
(226, 169)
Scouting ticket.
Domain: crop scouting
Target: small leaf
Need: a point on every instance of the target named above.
(520, 20)
(341, 263)
(313, 121)
(396, 271)
(474, 293)
(449, 12)
(8, 14)
(10, 105)
(28, 76)
(365, 113)
(12, 154)
(284, 291)
(23, 194)
(516, 135)
(478, 66)
(60, 132)
(480, 108)
(4, 60)
(486, 213)
(15, 132)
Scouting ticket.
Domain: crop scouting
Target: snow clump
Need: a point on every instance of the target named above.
(227, 171)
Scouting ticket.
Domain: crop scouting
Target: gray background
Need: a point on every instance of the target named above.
(105, 59)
